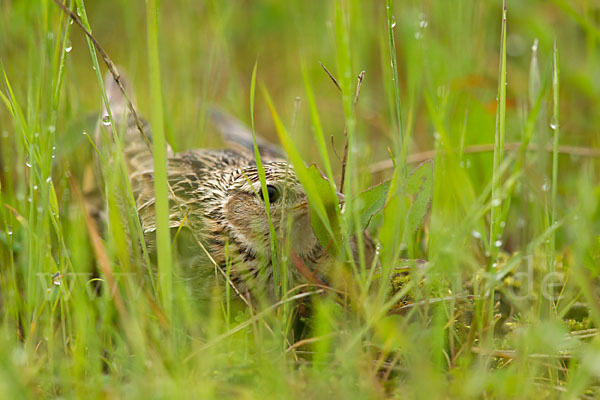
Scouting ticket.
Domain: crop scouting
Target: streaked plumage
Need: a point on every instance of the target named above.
(216, 206)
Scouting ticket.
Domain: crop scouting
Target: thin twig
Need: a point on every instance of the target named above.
(111, 67)
(303, 342)
(335, 82)
(484, 148)
(334, 150)
(512, 354)
(361, 76)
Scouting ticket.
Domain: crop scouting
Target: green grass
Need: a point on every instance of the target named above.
(506, 306)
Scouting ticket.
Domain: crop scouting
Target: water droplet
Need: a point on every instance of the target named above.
(553, 124)
(534, 47)
(69, 47)
(35, 187)
(476, 234)
(93, 67)
(9, 232)
(84, 133)
(494, 265)
(53, 155)
(502, 224)
(40, 209)
(51, 128)
(437, 136)
(418, 35)
(71, 22)
(49, 179)
(27, 164)
(56, 279)
(105, 120)
(29, 199)
(36, 135)
(423, 24)
(546, 186)
(496, 202)
(498, 243)
(393, 22)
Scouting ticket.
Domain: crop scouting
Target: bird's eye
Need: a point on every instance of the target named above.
(273, 193)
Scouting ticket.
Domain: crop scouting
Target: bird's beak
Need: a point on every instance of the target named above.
(301, 206)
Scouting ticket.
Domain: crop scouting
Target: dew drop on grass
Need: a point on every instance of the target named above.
(49, 179)
(69, 47)
(498, 243)
(9, 232)
(56, 281)
(105, 120)
(502, 224)
(546, 186)
(27, 164)
(553, 124)
(84, 133)
(35, 187)
(418, 35)
(534, 47)
(476, 234)
(51, 128)
(496, 202)
(494, 265)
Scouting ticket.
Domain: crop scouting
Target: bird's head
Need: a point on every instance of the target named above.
(245, 210)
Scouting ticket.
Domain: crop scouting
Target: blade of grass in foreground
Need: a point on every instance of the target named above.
(163, 234)
(554, 125)
(400, 146)
(263, 187)
(317, 127)
(498, 144)
(496, 202)
(312, 192)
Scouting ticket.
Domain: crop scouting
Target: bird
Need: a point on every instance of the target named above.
(217, 207)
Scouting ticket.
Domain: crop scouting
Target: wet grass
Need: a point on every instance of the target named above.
(494, 293)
